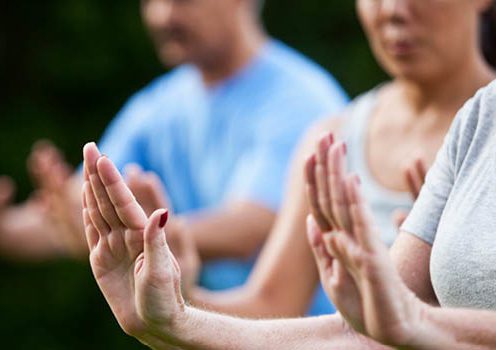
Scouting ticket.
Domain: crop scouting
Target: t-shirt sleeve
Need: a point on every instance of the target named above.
(428, 209)
(124, 140)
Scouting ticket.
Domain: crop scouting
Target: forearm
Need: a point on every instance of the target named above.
(237, 230)
(446, 328)
(203, 330)
(25, 234)
(243, 302)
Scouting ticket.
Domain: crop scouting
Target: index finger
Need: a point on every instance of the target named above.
(127, 208)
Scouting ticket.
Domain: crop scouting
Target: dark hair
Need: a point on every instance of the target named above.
(488, 34)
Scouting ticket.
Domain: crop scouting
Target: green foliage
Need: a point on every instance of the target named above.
(66, 68)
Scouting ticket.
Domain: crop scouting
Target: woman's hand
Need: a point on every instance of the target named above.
(129, 255)
(354, 264)
(321, 226)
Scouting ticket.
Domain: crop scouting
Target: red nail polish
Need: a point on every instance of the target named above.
(331, 138)
(163, 219)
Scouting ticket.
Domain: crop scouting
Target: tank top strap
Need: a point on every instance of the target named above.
(383, 201)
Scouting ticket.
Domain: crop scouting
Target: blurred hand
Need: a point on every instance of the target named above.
(370, 295)
(129, 254)
(147, 188)
(7, 191)
(47, 167)
(151, 195)
(414, 175)
(60, 191)
(184, 249)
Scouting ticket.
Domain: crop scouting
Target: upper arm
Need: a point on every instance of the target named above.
(411, 256)
(125, 137)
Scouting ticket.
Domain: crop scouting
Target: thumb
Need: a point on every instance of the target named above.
(156, 250)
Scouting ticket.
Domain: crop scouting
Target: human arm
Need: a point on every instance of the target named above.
(140, 280)
(389, 292)
(217, 233)
(283, 280)
(43, 227)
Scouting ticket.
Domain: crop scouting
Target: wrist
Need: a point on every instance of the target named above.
(417, 330)
(171, 334)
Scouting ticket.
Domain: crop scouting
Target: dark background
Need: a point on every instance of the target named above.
(66, 67)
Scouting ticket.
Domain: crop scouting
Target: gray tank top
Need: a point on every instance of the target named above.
(383, 202)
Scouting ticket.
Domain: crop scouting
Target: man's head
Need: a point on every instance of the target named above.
(196, 30)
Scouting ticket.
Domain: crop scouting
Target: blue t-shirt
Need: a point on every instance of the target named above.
(210, 145)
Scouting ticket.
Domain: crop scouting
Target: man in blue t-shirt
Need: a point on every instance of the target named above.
(218, 130)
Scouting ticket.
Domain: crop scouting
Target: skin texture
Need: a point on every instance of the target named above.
(359, 274)
(409, 121)
(140, 278)
(219, 37)
(192, 328)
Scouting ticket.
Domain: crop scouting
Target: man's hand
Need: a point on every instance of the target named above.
(147, 188)
(151, 195)
(129, 255)
(60, 191)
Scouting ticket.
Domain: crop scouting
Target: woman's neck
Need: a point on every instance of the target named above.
(448, 91)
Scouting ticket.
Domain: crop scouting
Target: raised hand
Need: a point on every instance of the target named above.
(147, 188)
(324, 184)
(336, 280)
(59, 190)
(376, 301)
(129, 255)
(325, 222)
(151, 195)
(47, 166)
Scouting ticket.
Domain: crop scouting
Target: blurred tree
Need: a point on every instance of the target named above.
(66, 67)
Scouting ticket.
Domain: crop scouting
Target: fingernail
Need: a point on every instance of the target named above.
(345, 149)
(331, 138)
(163, 219)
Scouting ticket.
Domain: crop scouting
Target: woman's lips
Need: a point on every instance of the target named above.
(400, 48)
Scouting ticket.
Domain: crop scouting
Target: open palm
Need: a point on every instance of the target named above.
(129, 256)
(354, 263)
